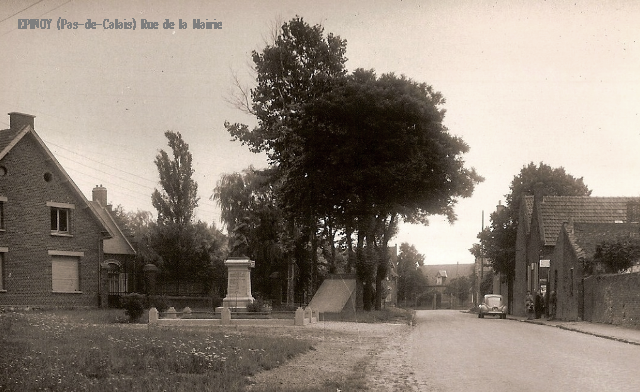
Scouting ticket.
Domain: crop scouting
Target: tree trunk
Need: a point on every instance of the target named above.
(350, 254)
(379, 289)
(383, 258)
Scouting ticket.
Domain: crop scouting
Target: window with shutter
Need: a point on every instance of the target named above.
(65, 274)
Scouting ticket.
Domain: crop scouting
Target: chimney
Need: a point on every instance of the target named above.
(100, 195)
(18, 120)
(500, 207)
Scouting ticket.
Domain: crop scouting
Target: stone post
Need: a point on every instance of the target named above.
(171, 313)
(299, 317)
(153, 316)
(104, 285)
(225, 316)
(308, 315)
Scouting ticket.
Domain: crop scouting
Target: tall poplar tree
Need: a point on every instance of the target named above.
(178, 198)
(174, 234)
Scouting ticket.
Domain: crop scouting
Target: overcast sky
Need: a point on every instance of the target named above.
(525, 81)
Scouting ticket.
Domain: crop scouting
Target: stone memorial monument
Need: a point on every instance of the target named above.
(238, 271)
(238, 283)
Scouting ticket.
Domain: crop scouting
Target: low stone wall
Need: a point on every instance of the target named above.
(192, 302)
(613, 299)
(171, 317)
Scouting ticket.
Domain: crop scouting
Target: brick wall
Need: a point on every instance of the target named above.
(613, 299)
(27, 269)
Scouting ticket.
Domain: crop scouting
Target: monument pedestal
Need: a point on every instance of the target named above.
(238, 284)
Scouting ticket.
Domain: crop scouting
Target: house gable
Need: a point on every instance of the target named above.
(118, 244)
(36, 193)
(449, 271)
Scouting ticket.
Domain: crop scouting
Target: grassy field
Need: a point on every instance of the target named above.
(93, 350)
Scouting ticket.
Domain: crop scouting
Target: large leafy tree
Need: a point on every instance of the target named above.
(249, 197)
(193, 253)
(411, 280)
(301, 64)
(379, 152)
(202, 247)
(358, 149)
(459, 287)
(498, 241)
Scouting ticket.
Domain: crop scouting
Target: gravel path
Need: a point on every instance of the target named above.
(344, 351)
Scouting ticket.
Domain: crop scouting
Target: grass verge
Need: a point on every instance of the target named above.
(387, 315)
(87, 351)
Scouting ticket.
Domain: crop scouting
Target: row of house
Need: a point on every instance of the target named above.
(556, 236)
(57, 248)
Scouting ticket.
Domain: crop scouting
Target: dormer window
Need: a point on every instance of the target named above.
(60, 218)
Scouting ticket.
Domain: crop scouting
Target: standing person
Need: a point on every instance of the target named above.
(538, 305)
(554, 304)
(528, 305)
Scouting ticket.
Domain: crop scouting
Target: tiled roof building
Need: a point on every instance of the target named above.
(540, 222)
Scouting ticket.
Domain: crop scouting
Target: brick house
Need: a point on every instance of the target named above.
(52, 239)
(575, 246)
(539, 224)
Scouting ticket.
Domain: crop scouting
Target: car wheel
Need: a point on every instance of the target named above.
(479, 315)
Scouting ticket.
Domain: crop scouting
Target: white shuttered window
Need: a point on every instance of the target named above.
(65, 274)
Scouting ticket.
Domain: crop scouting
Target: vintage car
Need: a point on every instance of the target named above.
(493, 304)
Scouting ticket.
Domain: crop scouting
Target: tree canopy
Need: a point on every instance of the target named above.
(411, 280)
(615, 255)
(355, 148)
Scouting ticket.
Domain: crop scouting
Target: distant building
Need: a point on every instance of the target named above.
(440, 276)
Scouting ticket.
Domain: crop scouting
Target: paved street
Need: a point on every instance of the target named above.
(455, 351)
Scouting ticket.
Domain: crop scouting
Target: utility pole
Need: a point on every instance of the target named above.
(481, 263)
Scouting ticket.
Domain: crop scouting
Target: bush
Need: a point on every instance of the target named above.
(259, 304)
(133, 305)
(216, 299)
(159, 302)
(256, 306)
